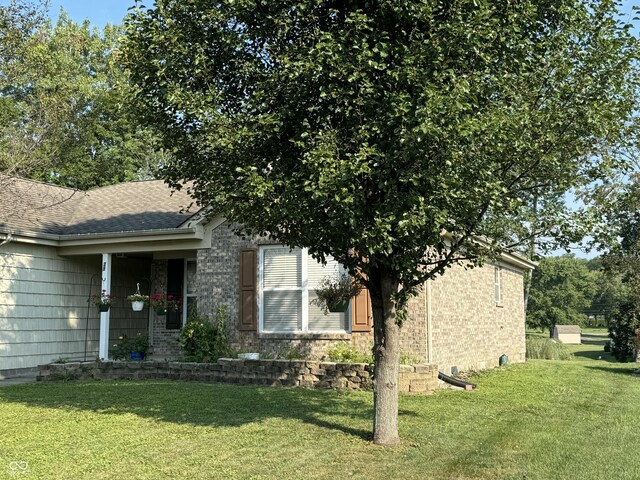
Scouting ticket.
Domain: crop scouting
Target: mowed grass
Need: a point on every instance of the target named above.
(573, 419)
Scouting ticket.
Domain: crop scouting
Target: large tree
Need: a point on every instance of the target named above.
(393, 136)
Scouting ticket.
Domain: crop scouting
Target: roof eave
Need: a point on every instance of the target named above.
(194, 233)
(518, 260)
(187, 233)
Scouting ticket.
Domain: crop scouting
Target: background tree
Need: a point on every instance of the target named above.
(19, 19)
(621, 266)
(533, 228)
(610, 290)
(562, 291)
(386, 134)
(64, 104)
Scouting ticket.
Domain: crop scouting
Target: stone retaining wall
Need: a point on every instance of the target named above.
(277, 373)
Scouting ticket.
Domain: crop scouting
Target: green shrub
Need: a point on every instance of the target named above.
(406, 359)
(345, 353)
(126, 345)
(624, 321)
(546, 349)
(203, 340)
(292, 353)
(221, 347)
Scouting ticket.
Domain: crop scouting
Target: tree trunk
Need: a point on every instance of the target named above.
(387, 357)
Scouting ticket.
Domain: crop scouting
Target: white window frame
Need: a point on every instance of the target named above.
(184, 289)
(303, 288)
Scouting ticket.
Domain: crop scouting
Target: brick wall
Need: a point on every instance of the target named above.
(414, 330)
(413, 339)
(311, 345)
(219, 282)
(276, 373)
(469, 330)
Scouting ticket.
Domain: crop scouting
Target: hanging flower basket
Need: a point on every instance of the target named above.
(161, 303)
(138, 300)
(335, 292)
(137, 306)
(102, 300)
(339, 307)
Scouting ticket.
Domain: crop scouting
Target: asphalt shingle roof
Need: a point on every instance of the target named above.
(28, 206)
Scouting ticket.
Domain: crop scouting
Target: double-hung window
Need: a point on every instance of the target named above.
(288, 279)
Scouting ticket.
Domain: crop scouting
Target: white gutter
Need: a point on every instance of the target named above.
(195, 233)
(24, 235)
(518, 260)
(165, 234)
(33, 240)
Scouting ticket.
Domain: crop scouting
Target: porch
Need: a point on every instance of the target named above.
(123, 274)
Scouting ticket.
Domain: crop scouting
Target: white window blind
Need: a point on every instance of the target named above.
(282, 311)
(282, 268)
(318, 321)
(316, 271)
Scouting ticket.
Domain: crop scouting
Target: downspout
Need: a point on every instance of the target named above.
(427, 308)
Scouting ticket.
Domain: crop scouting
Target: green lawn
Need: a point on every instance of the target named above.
(543, 420)
(594, 330)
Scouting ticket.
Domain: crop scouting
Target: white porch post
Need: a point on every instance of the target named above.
(104, 316)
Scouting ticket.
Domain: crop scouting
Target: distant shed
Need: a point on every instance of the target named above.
(567, 334)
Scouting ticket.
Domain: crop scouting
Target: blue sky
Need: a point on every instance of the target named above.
(99, 12)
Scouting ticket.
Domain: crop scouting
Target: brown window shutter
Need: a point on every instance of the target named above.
(361, 317)
(248, 290)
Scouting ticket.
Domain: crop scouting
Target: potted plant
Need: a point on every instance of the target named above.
(138, 347)
(161, 303)
(335, 292)
(134, 348)
(102, 300)
(138, 300)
